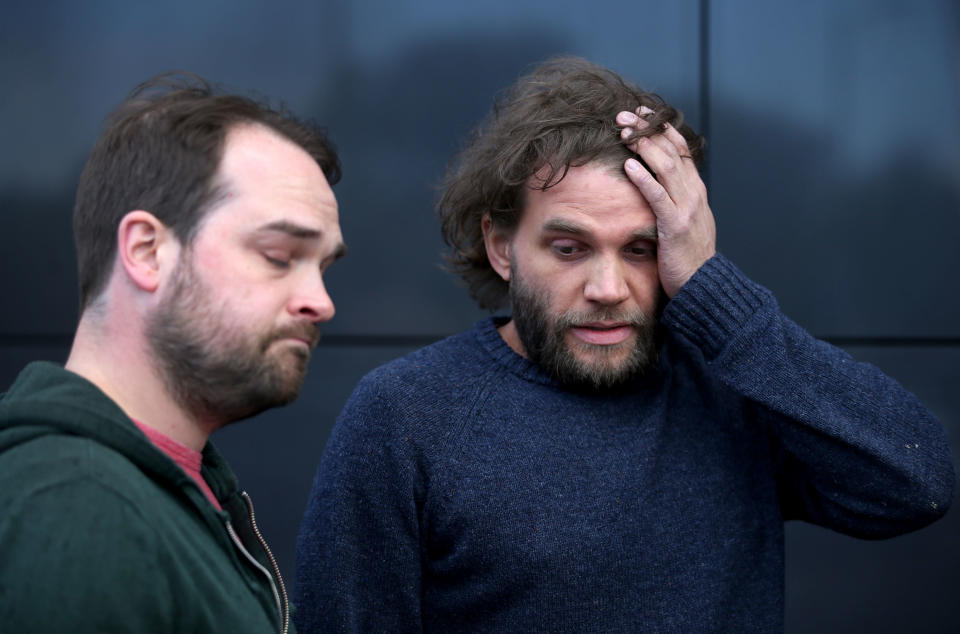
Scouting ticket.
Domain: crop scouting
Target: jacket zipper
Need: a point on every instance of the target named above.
(278, 589)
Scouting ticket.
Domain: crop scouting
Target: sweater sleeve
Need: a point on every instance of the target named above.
(854, 450)
(358, 552)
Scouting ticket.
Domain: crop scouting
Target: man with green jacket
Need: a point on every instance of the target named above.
(203, 225)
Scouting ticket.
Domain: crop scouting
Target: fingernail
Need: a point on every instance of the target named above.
(645, 110)
(632, 165)
(627, 118)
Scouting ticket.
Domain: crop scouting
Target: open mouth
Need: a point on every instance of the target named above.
(603, 333)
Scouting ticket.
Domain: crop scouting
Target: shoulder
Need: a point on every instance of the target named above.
(54, 470)
(75, 495)
(416, 400)
(69, 495)
(80, 538)
(447, 370)
(458, 354)
(72, 485)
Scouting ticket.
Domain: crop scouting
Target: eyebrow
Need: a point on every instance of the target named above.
(290, 228)
(565, 226)
(303, 233)
(649, 233)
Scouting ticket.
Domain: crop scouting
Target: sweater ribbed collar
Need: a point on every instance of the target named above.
(491, 341)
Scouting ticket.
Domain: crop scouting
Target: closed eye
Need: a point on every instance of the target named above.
(278, 262)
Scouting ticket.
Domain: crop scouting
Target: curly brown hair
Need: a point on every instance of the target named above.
(560, 115)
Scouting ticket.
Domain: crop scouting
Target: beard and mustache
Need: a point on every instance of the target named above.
(598, 368)
(220, 370)
(212, 364)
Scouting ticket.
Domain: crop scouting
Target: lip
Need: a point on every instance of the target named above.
(603, 333)
(297, 340)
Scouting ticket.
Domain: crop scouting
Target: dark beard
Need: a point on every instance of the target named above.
(212, 368)
(546, 346)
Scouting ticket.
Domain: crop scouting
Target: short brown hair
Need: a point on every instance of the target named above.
(160, 151)
(561, 114)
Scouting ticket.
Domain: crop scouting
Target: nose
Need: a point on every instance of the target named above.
(606, 283)
(312, 301)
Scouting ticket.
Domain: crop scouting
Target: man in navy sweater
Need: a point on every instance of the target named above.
(621, 453)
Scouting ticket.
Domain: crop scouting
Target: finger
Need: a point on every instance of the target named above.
(628, 136)
(632, 123)
(631, 120)
(666, 145)
(683, 150)
(665, 162)
(680, 142)
(674, 136)
(643, 112)
(675, 146)
(637, 118)
(654, 193)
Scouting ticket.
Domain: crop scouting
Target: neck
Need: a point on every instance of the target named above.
(510, 335)
(118, 361)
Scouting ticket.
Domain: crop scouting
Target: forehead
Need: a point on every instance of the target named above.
(266, 177)
(596, 195)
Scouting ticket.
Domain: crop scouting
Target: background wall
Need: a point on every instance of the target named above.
(834, 173)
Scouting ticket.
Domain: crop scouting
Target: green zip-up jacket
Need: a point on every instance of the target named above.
(102, 532)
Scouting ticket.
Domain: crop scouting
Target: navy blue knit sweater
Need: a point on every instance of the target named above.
(464, 491)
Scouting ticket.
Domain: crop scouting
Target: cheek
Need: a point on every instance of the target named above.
(226, 260)
(645, 288)
(235, 282)
(562, 293)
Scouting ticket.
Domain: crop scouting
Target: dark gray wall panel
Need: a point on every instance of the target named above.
(835, 176)
(276, 453)
(399, 87)
(839, 584)
(907, 584)
(835, 165)
(64, 66)
(14, 357)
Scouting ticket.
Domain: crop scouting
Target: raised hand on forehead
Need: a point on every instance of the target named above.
(685, 226)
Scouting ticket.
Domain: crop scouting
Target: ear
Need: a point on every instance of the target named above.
(141, 239)
(497, 242)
